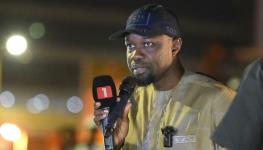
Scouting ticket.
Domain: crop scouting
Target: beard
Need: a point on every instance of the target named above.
(144, 79)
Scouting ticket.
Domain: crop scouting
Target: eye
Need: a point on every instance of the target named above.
(129, 46)
(148, 44)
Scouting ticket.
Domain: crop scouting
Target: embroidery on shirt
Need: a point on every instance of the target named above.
(184, 139)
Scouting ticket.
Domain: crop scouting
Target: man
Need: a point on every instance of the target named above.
(242, 127)
(167, 95)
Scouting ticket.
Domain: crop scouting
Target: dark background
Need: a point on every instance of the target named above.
(81, 27)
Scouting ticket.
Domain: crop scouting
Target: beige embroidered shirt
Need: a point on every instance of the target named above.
(194, 107)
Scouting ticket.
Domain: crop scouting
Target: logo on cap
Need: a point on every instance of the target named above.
(170, 30)
(141, 18)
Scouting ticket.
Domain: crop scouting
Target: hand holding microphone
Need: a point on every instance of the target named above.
(122, 124)
(107, 111)
(104, 94)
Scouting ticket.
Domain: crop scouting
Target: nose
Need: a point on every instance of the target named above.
(137, 54)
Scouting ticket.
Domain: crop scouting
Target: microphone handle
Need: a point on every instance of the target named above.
(108, 138)
(117, 110)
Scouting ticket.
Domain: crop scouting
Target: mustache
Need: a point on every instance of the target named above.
(138, 65)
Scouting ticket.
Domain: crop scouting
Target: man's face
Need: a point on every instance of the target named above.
(149, 58)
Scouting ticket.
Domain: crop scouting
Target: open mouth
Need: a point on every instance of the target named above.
(138, 70)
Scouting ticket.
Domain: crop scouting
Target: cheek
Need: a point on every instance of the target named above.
(163, 60)
(157, 62)
(164, 53)
(128, 59)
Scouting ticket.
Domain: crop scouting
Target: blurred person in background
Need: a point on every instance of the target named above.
(68, 140)
(242, 126)
(167, 94)
(90, 142)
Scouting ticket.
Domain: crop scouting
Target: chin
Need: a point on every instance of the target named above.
(143, 80)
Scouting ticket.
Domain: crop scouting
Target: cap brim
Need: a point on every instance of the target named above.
(123, 33)
(118, 35)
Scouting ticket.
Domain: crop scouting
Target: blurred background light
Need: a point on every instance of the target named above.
(37, 30)
(7, 99)
(41, 102)
(74, 104)
(38, 103)
(16, 44)
(30, 106)
(22, 142)
(10, 132)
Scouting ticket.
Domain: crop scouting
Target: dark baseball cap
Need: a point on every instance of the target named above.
(150, 20)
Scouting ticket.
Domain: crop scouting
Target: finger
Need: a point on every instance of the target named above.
(127, 107)
(126, 110)
(96, 121)
(97, 105)
(100, 112)
(118, 99)
(100, 117)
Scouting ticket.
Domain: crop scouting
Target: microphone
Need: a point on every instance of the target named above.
(126, 89)
(104, 91)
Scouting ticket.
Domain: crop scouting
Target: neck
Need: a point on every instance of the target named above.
(170, 78)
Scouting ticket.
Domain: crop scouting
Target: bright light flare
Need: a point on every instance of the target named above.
(10, 132)
(74, 104)
(21, 143)
(7, 99)
(16, 45)
(38, 103)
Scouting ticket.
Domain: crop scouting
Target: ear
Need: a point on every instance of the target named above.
(177, 45)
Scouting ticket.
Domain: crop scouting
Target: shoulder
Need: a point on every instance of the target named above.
(254, 69)
(256, 63)
(218, 96)
(205, 83)
(215, 95)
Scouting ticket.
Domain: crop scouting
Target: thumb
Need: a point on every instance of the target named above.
(126, 110)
